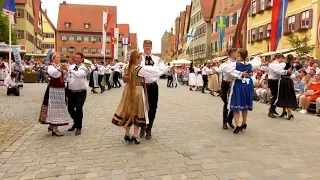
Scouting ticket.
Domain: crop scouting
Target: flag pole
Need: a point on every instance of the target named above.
(193, 48)
(249, 31)
(10, 50)
(283, 17)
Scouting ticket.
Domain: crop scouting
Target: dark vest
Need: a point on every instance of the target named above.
(57, 82)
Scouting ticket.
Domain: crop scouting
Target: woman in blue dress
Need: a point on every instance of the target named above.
(242, 90)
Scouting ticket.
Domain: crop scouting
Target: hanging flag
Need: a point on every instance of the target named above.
(106, 18)
(114, 34)
(318, 32)
(16, 55)
(48, 56)
(279, 9)
(222, 21)
(125, 48)
(191, 33)
(242, 19)
(9, 9)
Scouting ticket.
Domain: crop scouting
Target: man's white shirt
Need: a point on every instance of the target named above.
(157, 62)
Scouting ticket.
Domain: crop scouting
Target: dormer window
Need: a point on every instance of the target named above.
(86, 25)
(67, 24)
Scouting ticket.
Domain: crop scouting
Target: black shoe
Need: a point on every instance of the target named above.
(127, 138)
(225, 126)
(72, 128)
(243, 127)
(271, 115)
(237, 130)
(148, 136)
(231, 125)
(57, 133)
(78, 132)
(142, 132)
(290, 116)
(49, 129)
(284, 114)
(275, 112)
(134, 139)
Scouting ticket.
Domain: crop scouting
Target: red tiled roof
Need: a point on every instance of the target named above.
(124, 29)
(21, 1)
(79, 14)
(133, 40)
(207, 8)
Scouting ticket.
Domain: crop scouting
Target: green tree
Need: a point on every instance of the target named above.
(4, 28)
(301, 44)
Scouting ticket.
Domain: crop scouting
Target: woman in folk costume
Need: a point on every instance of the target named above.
(286, 93)
(192, 77)
(241, 91)
(214, 87)
(133, 107)
(53, 110)
(93, 83)
(199, 78)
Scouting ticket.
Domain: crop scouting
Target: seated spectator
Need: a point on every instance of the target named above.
(265, 93)
(12, 88)
(257, 86)
(312, 93)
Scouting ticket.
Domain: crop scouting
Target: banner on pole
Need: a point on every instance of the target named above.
(16, 55)
(189, 39)
(106, 18)
(242, 19)
(125, 48)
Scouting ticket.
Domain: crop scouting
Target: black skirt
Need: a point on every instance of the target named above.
(286, 94)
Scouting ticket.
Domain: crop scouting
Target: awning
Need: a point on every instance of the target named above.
(220, 58)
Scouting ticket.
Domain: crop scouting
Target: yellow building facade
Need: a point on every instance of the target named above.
(49, 33)
(301, 19)
(27, 17)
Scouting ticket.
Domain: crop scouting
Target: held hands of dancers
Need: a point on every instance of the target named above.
(125, 77)
(245, 74)
(289, 71)
(64, 66)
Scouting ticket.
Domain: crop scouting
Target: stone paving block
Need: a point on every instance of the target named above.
(269, 149)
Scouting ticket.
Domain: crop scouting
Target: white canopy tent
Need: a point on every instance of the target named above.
(180, 61)
(86, 61)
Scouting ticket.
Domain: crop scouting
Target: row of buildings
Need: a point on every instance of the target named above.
(79, 29)
(301, 19)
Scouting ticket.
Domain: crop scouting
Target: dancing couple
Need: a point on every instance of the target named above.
(139, 100)
(236, 78)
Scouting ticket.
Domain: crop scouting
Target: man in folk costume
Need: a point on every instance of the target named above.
(77, 86)
(93, 83)
(152, 86)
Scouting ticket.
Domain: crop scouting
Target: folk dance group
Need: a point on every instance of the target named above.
(138, 104)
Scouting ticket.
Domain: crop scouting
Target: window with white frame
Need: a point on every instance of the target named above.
(261, 4)
(253, 34)
(67, 24)
(78, 38)
(108, 39)
(291, 22)
(85, 49)
(238, 15)
(270, 2)
(93, 39)
(86, 25)
(305, 19)
(214, 27)
(93, 50)
(261, 32)
(230, 42)
(71, 38)
(224, 43)
(254, 7)
(269, 30)
(71, 49)
(64, 49)
(64, 38)
(231, 20)
(18, 13)
(86, 39)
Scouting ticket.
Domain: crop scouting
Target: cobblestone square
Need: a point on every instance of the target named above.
(188, 142)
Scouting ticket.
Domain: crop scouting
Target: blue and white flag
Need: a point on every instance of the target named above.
(16, 55)
(190, 37)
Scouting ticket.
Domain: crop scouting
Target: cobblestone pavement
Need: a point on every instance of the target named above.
(18, 114)
(188, 143)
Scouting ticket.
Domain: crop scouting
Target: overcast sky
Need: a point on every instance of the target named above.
(148, 18)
